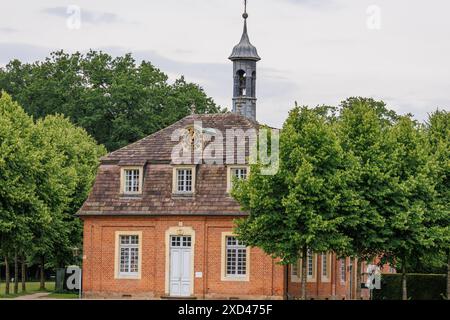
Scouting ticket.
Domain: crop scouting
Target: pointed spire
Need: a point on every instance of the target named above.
(245, 50)
(245, 33)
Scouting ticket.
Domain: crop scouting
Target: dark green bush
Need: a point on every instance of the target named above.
(420, 287)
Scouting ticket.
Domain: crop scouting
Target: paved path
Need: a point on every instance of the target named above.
(33, 296)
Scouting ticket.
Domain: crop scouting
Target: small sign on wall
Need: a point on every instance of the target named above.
(199, 274)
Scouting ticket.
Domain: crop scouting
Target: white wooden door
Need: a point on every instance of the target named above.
(180, 266)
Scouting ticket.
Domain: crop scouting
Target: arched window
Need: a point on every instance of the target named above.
(242, 83)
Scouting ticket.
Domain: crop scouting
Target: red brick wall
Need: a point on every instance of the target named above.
(334, 288)
(266, 277)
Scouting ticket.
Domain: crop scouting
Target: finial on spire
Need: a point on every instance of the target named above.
(245, 15)
(244, 49)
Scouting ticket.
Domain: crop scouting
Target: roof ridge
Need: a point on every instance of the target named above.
(219, 121)
(145, 138)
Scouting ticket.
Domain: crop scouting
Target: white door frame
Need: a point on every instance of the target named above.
(180, 258)
(179, 231)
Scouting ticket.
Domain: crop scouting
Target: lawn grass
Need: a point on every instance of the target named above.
(55, 295)
(32, 287)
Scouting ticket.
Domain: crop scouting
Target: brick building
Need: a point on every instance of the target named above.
(156, 228)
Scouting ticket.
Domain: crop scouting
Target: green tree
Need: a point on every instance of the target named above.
(409, 209)
(296, 210)
(46, 172)
(80, 156)
(362, 126)
(115, 99)
(70, 159)
(438, 133)
(19, 167)
(384, 114)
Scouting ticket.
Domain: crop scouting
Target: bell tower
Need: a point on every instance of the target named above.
(244, 57)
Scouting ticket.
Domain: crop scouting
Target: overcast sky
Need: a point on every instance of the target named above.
(313, 51)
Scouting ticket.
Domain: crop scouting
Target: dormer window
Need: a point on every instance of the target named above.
(184, 180)
(131, 180)
(238, 172)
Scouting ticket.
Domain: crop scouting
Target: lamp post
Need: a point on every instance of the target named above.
(76, 254)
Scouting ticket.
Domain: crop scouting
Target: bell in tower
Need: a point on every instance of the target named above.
(244, 57)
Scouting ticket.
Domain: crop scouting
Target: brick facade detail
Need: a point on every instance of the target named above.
(266, 279)
(209, 212)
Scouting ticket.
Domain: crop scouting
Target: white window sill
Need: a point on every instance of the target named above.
(236, 278)
(128, 277)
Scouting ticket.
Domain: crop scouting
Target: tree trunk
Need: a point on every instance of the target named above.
(24, 274)
(359, 263)
(16, 273)
(404, 288)
(7, 276)
(42, 268)
(448, 275)
(304, 270)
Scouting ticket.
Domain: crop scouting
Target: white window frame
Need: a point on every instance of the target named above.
(175, 180)
(123, 181)
(311, 277)
(343, 270)
(296, 276)
(224, 274)
(230, 175)
(117, 260)
(325, 277)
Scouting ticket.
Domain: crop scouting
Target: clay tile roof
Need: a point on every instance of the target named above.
(158, 146)
(154, 154)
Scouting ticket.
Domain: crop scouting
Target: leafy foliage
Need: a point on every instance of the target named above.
(421, 287)
(418, 227)
(19, 163)
(359, 181)
(46, 170)
(116, 100)
(299, 206)
(362, 126)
